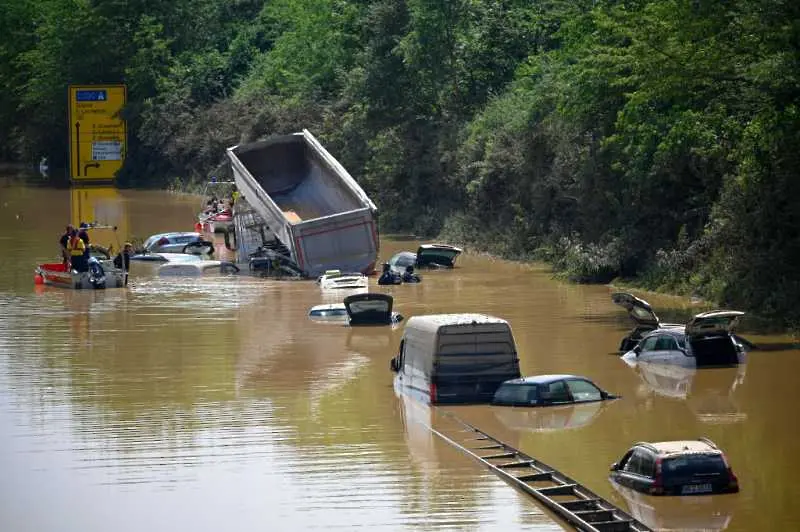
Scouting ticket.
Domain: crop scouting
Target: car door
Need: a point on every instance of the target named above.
(666, 350)
(636, 471)
(647, 349)
(554, 393)
(623, 473)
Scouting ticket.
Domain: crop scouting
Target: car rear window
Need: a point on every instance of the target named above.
(693, 465)
(515, 394)
(328, 312)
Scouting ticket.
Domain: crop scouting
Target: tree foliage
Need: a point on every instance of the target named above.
(651, 139)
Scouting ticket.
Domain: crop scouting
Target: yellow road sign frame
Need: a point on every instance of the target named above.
(98, 136)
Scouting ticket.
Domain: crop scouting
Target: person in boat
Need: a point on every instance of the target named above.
(388, 276)
(83, 234)
(409, 276)
(64, 242)
(212, 205)
(123, 260)
(77, 252)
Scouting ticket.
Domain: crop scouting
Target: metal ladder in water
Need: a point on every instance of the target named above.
(576, 504)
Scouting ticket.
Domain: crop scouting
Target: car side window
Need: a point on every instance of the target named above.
(622, 464)
(666, 343)
(555, 392)
(584, 391)
(648, 465)
(649, 343)
(634, 463)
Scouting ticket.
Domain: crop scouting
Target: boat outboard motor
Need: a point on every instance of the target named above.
(97, 276)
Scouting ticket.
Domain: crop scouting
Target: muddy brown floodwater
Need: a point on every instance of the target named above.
(214, 404)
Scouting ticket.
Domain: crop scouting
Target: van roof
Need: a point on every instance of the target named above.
(433, 322)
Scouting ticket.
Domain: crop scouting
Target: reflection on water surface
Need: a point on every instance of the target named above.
(215, 404)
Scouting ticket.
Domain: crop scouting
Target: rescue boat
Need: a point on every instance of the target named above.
(98, 276)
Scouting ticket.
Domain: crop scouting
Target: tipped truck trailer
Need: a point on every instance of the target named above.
(309, 202)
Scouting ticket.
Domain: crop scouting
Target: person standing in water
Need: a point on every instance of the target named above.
(64, 242)
(123, 260)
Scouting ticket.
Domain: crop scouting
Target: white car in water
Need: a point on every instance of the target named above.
(706, 341)
(337, 280)
(197, 268)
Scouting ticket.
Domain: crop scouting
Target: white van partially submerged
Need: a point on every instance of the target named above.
(455, 358)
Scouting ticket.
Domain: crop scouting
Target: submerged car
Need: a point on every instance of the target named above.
(643, 316)
(197, 268)
(427, 256)
(174, 242)
(548, 390)
(707, 340)
(337, 280)
(686, 467)
(359, 309)
(165, 257)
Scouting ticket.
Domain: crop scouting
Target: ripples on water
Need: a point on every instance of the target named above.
(200, 401)
(215, 404)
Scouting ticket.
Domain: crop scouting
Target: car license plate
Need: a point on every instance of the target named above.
(696, 488)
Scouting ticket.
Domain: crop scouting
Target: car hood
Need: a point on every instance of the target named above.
(639, 310)
(715, 322)
(437, 255)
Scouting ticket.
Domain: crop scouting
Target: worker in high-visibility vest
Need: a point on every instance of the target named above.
(76, 248)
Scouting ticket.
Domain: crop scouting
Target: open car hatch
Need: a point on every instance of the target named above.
(639, 310)
(713, 323)
(432, 255)
(369, 308)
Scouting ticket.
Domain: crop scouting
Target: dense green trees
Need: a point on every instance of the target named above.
(652, 139)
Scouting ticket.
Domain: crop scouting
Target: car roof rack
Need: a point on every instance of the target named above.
(708, 442)
(647, 445)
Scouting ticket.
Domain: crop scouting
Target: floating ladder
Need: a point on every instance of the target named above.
(582, 508)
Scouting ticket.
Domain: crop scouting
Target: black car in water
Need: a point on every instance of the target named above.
(427, 256)
(686, 467)
(548, 390)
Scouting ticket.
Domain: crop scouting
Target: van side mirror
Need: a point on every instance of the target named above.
(614, 466)
(637, 349)
(393, 365)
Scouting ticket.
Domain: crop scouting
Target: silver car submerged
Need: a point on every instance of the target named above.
(706, 341)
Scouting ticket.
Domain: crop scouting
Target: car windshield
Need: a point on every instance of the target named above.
(693, 465)
(328, 312)
(405, 259)
(150, 241)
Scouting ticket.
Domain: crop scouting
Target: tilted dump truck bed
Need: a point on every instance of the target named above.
(309, 202)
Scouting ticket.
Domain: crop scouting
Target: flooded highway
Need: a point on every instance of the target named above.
(215, 404)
